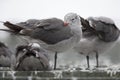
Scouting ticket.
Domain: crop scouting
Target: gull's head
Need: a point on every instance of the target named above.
(72, 19)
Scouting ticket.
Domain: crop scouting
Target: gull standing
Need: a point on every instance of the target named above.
(54, 34)
(99, 35)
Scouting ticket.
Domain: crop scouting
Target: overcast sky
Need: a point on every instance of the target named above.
(26, 9)
(21, 10)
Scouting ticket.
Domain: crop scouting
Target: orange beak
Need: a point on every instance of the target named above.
(65, 24)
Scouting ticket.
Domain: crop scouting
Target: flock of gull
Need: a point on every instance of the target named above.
(94, 35)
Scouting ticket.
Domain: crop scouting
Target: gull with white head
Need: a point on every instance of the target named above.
(53, 34)
(99, 35)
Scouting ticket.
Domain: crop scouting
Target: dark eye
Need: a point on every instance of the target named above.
(73, 19)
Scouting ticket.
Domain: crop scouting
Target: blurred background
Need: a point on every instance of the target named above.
(22, 10)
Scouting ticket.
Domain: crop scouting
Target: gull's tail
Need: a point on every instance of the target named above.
(15, 29)
(12, 26)
(11, 31)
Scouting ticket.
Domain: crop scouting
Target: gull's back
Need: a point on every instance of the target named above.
(30, 61)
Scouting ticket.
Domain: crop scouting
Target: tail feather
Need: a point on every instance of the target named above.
(13, 27)
(11, 31)
(87, 26)
(6, 30)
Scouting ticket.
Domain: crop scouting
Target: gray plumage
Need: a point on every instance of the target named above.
(50, 31)
(29, 23)
(53, 34)
(29, 58)
(106, 28)
(5, 56)
(99, 35)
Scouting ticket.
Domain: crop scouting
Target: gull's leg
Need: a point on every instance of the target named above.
(87, 58)
(97, 61)
(55, 60)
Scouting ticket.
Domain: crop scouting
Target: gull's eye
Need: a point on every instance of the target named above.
(73, 19)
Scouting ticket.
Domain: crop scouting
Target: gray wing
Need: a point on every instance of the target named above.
(29, 23)
(30, 62)
(50, 31)
(33, 23)
(107, 31)
(53, 33)
(51, 37)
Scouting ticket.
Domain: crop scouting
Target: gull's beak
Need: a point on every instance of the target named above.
(66, 24)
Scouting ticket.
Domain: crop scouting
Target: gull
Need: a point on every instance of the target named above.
(31, 57)
(99, 35)
(52, 34)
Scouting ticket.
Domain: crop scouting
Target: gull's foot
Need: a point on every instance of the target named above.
(87, 68)
(101, 66)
